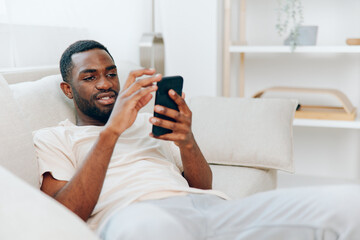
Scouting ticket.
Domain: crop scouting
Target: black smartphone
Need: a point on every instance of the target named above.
(162, 98)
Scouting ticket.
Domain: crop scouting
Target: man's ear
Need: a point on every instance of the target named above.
(66, 88)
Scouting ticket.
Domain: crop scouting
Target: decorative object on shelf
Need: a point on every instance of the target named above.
(347, 112)
(306, 36)
(152, 51)
(289, 18)
(353, 41)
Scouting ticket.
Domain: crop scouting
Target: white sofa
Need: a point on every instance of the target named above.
(245, 141)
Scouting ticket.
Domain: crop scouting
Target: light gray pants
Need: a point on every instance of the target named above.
(325, 213)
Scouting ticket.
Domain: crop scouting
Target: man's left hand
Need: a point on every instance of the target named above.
(182, 135)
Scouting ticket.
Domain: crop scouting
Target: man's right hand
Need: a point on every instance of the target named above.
(134, 96)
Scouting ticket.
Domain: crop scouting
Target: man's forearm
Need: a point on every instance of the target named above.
(196, 169)
(81, 193)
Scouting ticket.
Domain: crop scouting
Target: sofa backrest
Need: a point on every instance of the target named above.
(13, 76)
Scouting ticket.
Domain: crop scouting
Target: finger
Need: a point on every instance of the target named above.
(135, 74)
(142, 83)
(143, 101)
(178, 127)
(148, 85)
(183, 95)
(159, 137)
(183, 107)
(138, 95)
(169, 137)
(174, 114)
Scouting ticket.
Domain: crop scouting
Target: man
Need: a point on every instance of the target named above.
(128, 184)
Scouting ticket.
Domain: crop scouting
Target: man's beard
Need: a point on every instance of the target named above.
(89, 108)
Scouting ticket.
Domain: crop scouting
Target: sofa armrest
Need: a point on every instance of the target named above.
(27, 213)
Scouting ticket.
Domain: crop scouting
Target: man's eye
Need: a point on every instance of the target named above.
(112, 75)
(89, 78)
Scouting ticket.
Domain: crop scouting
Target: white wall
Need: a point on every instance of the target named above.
(337, 20)
(191, 40)
(117, 24)
(189, 29)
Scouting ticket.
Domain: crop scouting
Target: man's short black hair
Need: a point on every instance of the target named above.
(66, 64)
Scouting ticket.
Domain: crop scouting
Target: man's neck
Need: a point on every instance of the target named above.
(86, 121)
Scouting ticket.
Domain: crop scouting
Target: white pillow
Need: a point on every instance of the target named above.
(17, 152)
(27, 213)
(42, 102)
(245, 132)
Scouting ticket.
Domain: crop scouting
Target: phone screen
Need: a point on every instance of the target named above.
(162, 98)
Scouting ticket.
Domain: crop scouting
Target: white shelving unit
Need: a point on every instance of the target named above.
(327, 123)
(299, 49)
(326, 150)
(242, 49)
(306, 49)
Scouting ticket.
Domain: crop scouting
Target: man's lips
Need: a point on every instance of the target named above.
(106, 98)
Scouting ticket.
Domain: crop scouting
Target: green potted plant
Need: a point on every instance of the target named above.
(289, 19)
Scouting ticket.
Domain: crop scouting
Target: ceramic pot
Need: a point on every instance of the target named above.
(307, 36)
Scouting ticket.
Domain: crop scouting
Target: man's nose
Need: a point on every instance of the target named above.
(103, 83)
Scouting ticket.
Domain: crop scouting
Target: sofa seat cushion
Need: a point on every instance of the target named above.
(27, 213)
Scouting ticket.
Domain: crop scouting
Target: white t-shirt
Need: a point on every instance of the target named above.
(141, 167)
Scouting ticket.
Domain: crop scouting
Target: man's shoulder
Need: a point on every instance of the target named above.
(51, 132)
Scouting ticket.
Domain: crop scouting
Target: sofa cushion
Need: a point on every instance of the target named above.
(245, 132)
(42, 102)
(27, 213)
(17, 153)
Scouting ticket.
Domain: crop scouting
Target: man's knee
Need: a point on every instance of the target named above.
(144, 221)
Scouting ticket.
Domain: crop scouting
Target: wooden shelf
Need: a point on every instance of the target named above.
(299, 49)
(326, 123)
